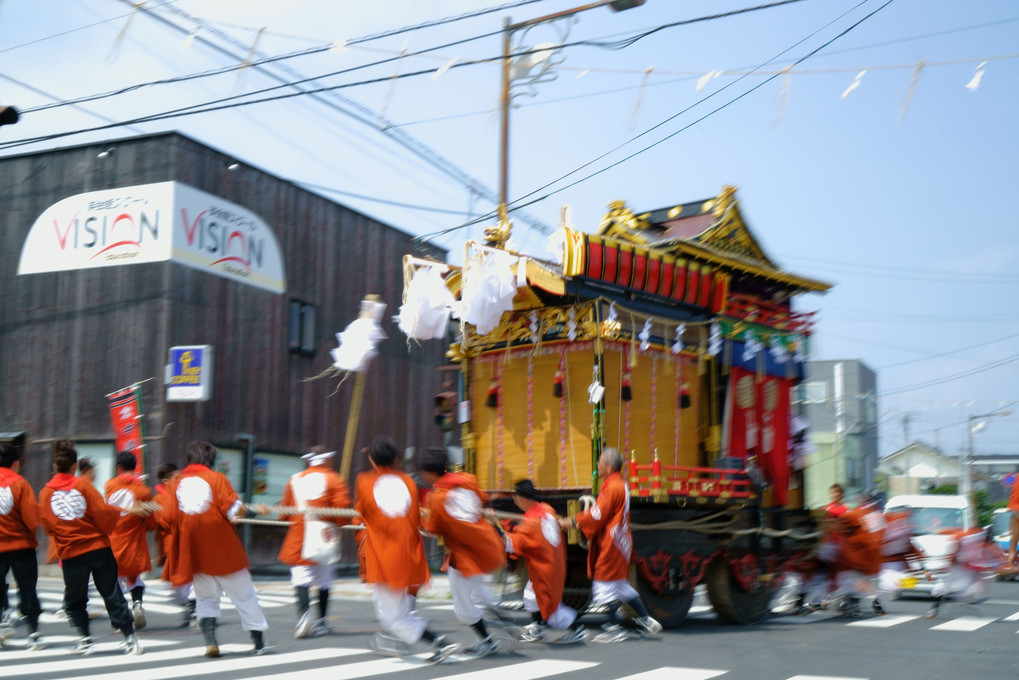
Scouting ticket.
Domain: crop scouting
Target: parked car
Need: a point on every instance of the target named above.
(934, 519)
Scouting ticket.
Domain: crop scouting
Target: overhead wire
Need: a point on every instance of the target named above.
(517, 202)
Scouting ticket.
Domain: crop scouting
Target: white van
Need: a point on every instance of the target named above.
(933, 519)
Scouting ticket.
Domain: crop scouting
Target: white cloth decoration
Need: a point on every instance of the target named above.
(556, 244)
(463, 504)
(706, 78)
(522, 272)
(978, 75)
(595, 391)
(751, 346)
(715, 340)
(779, 352)
(488, 289)
(68, 505)
(855, 84)
(532, 325)
(571, 325)
(392, 496)
(645, 336)
(677, 346)
(425, 314)
(612, 313)
(194, 496)
(358, 340)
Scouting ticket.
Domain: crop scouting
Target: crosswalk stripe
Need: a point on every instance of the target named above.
(824, 677)
(105, 654)
(1013, 617)
(202, 667)
(17, 648)
(676, 673)
(964, 623)
(529, 670)
(883, 621)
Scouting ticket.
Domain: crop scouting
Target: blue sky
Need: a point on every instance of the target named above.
(901, 193)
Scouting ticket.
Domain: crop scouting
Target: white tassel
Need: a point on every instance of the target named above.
(645, 336)
(913, 84)
(677, 346)
(707, 78)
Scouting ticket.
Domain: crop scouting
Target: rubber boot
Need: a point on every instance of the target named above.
(208, 627)
(258, 640)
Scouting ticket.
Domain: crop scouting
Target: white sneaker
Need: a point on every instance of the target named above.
(533, 632)
(611, 632)
(387, 645)
(576, 635)
(130, 645)
(84, 647)
(321, 628)
(304, 626)
(440, 649)
(139, 615)
(648, 626)
(483, 647)
(35, 642)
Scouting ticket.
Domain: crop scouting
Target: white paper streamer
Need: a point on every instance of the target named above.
(978, 75)
(855, 84)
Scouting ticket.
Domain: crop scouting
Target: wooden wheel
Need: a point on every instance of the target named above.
(730, 601)
(670, 609)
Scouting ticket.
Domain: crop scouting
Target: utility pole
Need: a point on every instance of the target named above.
(905, 435)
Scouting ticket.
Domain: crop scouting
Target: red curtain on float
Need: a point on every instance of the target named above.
(759, 425)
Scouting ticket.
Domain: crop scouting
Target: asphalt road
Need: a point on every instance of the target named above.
(965, 641)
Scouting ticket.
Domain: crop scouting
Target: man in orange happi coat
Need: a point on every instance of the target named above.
(318, 486)
(198, 510)
(860, 559)
(393, 554)
(539, 540)
(19, 518)
(129, 539)
(78, 521)
(607, 527)
(899, 558)
(184, 595)
(454, 512)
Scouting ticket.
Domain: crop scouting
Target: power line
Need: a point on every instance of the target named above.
(953, 377)
(705, 116)
(268, 59)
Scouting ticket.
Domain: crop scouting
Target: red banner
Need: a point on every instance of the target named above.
(127, 417)
(759, 425)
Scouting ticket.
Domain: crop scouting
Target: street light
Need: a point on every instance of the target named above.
(966, 485)
(538, 58)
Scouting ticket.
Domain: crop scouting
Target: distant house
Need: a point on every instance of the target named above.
(918, 467)
(994, 473)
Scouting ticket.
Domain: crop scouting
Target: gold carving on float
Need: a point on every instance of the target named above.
(496, 236)
(515, 329)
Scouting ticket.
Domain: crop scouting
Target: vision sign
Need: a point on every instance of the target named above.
(166, 221)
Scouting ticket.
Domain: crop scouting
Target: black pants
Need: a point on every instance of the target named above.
(102, 567)
(26, 574)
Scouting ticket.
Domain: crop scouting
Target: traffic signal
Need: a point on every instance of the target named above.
(8, 115)
(445, 410)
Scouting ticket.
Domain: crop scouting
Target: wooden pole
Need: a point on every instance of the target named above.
(354, 417)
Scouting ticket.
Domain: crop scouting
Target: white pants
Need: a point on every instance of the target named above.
(562, 617)
(603, 592)
(318, 575)
(394, 611)
(961, 583)
(241, 591)
(184, 593)
(465, 590)
(855, 583)
(888, 580)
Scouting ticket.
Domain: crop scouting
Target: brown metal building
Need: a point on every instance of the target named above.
(69, 338)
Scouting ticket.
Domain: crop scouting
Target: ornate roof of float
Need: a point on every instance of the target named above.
(711, 230)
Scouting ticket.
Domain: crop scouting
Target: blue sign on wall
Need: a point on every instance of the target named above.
(189, 373)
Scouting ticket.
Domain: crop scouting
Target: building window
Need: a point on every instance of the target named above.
(302, 327)
(815, 392)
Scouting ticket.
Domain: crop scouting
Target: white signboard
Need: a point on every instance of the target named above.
(155, 223)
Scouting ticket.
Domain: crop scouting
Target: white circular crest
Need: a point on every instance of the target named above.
(551, 531)
(392, 496)
(194, 496)
(68, 505)
(6, 500)
(309, 487)
(463, 504)
(122, 498)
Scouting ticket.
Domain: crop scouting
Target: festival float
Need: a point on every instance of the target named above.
(669, 335)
